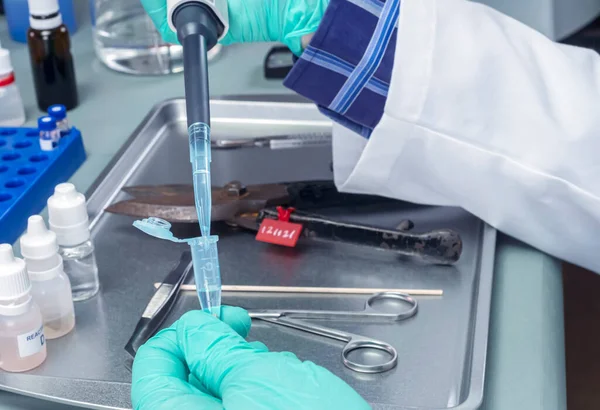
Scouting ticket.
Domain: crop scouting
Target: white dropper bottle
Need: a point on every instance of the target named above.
(68, 218)
(50, 285)
(12, 113)
(22, 342)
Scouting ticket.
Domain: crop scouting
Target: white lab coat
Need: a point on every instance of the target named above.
(489, 115)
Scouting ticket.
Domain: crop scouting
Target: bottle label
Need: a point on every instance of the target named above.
(55, 135)
(31, 343)
(46, 144)
(8, 80)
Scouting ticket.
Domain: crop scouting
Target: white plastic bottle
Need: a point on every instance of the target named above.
(50, 285)
(68, 218)
(22, 342)
(12, 113)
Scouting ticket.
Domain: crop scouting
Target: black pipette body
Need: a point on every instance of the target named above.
(198, 30)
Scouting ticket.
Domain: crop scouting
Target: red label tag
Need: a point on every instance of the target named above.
(279, 232)
(8, 80)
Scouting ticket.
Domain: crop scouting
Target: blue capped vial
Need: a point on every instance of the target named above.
(59, 113)
(49, 133)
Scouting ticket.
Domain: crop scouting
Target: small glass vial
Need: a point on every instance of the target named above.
(49, 134)
(12, 113)
(50, 285)
(50, 54)
(59, 113)
(68, 218)
(22, 340)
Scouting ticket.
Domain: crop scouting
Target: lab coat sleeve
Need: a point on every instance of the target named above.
(347, 67)
(489, 115)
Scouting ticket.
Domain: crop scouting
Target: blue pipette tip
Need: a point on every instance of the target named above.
(200, 157)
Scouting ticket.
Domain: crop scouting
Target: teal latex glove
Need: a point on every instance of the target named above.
(203, 363)
(285, 21)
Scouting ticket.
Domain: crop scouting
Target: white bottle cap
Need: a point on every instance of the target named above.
(14, 282)
(48, 9)
(43, 7)
(5, 64)
(38, 242)
(67, 215)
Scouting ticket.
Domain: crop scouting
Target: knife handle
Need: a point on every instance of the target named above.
(442, 246)
(324, 194)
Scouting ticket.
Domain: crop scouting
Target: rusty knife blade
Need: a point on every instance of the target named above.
(175, 203)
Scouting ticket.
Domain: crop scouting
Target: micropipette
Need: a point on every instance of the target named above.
(199, 24)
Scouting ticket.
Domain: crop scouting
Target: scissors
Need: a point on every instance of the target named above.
(354, 342)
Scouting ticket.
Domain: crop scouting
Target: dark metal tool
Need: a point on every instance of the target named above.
(175, 203)
(314, 139)
(248, 206)
(278, 63)
(442, 246)
(160, 305)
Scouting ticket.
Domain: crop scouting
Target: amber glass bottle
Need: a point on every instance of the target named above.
(50, 52)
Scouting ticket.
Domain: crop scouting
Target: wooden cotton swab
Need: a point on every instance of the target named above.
(296, 289)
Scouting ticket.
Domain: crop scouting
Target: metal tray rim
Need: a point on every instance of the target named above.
(473, 394)
(479, 339)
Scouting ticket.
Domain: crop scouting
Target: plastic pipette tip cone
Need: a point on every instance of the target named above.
(65, 192)
(38, 242)
(6, 254)
(36, 225)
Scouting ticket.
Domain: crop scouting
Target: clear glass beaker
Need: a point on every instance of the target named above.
(126, 40)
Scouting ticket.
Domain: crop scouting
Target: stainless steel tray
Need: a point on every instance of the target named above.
(442, 350)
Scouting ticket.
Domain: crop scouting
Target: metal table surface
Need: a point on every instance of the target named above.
(526, 348)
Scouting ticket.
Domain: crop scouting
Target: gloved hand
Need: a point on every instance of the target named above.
(203, 363)
(285, 21)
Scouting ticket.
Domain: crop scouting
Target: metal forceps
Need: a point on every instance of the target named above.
(354, 342)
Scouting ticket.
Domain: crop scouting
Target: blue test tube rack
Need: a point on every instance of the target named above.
(28, 175)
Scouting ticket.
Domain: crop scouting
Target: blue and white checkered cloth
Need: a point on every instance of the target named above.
(346, 69)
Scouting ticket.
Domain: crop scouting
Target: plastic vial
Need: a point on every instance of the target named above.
(50, 54)
(12, 113)
(22, 341)
(49, 134)
(59, 113)
(68, 218)
(50, 286)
